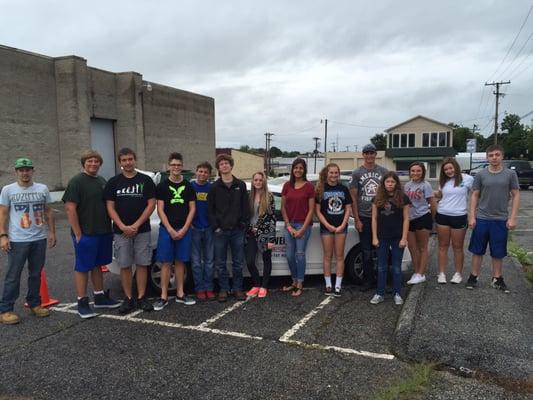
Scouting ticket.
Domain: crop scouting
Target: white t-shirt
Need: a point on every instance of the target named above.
(454, 200)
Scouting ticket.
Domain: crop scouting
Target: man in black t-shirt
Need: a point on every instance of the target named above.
(176, 205)
(130, 200)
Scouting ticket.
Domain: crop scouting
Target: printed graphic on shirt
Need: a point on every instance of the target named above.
(387, 209)
(369, 183)
(23, 208)
(131, 191)
(417, 194)
(201, 196)
(334, 201)
(176, 195)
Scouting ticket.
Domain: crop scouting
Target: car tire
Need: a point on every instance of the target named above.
(524, 187)
(353, 265)
(154, 279)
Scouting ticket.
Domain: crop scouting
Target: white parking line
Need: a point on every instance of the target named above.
(222, 313)
(167, 324)
(339, 349)
(291, 332)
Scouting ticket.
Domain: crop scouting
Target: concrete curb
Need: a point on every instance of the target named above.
(407, 319)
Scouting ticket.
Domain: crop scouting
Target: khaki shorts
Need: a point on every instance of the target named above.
(135, 250)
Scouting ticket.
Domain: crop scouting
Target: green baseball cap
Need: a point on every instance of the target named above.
(23, 163)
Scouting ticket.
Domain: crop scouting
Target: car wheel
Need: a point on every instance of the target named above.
(154, 279)
(353, 265)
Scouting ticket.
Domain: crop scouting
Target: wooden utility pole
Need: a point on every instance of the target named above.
(498, 94)
(267, 153)
(316, 139)
(325, 134)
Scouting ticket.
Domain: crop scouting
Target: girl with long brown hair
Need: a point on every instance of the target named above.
(333, 201)
(390, 225)
(451, 217)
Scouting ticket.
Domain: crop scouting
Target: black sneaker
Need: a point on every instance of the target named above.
(103, 300)
(498, 283)
(337, 292)
(144, 304)
(84, 309)
(187, 300)
(472, 282)
(160, 304)
(127, 306)
(328, 291)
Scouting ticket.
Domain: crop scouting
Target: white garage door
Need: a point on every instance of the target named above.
(103, 141)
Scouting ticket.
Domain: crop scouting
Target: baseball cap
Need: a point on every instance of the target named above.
(369, 148)
(23, 163)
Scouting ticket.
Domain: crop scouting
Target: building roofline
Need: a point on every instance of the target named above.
(416, 117)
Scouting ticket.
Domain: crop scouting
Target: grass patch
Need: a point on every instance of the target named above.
(521, 255)
(412, 387)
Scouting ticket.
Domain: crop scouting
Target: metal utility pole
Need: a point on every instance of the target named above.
(315, 152)
(498, 94)
(325, 121)
(267, 152)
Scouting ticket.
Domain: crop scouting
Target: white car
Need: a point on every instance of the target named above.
(352, 249)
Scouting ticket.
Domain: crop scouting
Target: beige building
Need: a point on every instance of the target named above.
(245, 164)
(350, 160)
(420, 139)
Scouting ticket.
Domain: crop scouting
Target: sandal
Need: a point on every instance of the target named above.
(297, 292)
(289, 288)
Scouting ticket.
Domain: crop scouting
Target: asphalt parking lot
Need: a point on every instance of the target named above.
(275, 348)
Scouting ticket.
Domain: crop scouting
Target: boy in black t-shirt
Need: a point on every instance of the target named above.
(130, 200)
(176, 207)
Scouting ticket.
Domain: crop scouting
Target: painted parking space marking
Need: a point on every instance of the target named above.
(223, 313)
(204, 327)
(291, 332)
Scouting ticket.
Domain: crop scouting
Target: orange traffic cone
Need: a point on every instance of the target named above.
(104, 268)
(46, 301)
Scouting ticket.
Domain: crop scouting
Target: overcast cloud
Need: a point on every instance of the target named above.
(281, 66)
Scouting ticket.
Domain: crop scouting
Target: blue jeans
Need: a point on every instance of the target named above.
(365, 238)
(383, 262)
(295, 252)
(202, 256)
(234, 239)
(34, 253)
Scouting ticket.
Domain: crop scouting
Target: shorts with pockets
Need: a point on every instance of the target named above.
(132, 250)
(491, 232)
(93, 251)
(169, 250)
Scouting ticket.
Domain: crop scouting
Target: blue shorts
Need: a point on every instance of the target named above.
(491, 232)
(169, 250)
(93, 251)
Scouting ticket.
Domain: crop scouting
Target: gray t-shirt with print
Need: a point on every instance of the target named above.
(366, 181)
(494, 192)
(418, 193)
(26, 211)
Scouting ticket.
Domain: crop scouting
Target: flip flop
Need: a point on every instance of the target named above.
(297, 292)
(289, 288)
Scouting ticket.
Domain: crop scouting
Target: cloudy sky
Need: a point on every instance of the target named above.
(282, 66)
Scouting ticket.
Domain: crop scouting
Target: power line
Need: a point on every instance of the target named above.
(498, 94)
(513, 43)
(358, 125)
(517, 55)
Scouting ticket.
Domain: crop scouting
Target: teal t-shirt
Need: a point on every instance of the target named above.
(26, 211)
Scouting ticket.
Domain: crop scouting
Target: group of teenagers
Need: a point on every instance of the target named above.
(200, 220)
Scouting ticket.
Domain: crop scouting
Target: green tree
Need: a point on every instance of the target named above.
(275, 152)
(514, 137)
(379, 140)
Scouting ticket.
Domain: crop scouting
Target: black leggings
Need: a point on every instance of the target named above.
(251, 253)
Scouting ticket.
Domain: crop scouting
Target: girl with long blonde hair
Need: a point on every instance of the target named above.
(261, 234)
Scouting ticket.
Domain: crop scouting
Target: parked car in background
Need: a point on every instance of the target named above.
(352, 252)
(523, 169)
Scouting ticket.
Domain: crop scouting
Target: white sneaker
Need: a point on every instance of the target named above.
(457, 278)
(398, 299)
(441, 278)
(377, 299)
(421, 278)
(413, 280)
